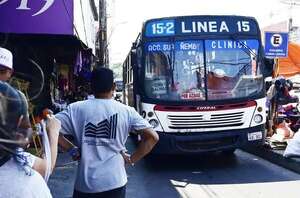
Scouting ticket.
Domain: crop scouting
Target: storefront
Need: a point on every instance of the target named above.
(53, 43)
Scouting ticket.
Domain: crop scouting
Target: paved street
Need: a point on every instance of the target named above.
(205, 74)
(241, 176)
(62, 180)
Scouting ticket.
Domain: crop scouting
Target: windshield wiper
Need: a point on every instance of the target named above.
(244, 68)
(249, 51)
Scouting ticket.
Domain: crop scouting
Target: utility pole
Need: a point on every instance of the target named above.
(103, 52)
(292, 4)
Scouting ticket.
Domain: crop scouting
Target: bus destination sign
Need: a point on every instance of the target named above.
(201, 26)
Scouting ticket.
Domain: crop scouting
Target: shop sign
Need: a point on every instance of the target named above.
(36, 17)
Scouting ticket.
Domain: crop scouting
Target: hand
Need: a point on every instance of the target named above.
(127, 158)
(53, 126)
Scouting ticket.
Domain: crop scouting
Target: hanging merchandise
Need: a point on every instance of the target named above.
(63, 80)
(78, 63)
(85, 71)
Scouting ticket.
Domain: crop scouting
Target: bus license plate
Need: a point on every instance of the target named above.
(255, 136)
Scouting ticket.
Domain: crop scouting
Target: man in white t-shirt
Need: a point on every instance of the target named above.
(20, 172)
(100, 127)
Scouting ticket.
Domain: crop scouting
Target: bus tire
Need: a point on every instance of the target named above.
(229, 152)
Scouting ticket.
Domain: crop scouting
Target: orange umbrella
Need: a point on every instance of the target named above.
(290, 66)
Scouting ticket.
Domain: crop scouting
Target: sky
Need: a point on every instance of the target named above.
(125, 17)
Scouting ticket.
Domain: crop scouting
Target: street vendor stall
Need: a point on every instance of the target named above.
(283, 95)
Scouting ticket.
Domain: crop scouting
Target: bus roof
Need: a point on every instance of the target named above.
(203, 16)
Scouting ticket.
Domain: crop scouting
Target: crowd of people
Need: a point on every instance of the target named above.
(100, 128)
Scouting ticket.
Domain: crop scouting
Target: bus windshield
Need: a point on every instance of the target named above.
(183, 70)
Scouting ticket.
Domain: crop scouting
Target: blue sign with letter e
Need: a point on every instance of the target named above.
(276, 44)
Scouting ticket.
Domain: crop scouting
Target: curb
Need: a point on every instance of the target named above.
(276, 157)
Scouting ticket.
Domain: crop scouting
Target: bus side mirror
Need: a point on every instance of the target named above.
(133, 56)
(134, 64)
(268, 67)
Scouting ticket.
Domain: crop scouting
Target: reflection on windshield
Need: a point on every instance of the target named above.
(229, 67)
(189, 70)
(176, 71)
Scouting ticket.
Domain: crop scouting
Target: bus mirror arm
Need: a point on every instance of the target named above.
(133, 54)
(268, 67)
(247, 49)
(133, 51)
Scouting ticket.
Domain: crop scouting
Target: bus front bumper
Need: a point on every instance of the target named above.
(204, 142)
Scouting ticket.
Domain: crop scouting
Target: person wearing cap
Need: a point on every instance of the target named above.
(6, 64)
(20, 172)
(100, 127)
(6, 70)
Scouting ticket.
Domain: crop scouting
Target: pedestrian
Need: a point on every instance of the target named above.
(100, 127)
(6, 70)
(6, 64)
(21, 172)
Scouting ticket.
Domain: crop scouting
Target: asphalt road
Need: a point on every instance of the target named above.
(207, 176)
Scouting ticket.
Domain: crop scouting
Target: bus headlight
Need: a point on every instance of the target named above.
(258, 118)
(154, 123)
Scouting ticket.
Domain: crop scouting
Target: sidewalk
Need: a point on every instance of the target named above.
(276, 157)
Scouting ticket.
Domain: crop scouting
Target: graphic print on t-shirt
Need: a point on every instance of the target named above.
(104, 129)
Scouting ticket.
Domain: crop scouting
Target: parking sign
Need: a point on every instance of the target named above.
(276, 44)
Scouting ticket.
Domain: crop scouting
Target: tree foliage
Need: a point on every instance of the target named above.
(117, 68)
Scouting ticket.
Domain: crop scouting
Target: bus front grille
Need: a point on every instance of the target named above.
(219, 120)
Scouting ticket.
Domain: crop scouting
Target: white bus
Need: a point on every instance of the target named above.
(199, 81)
